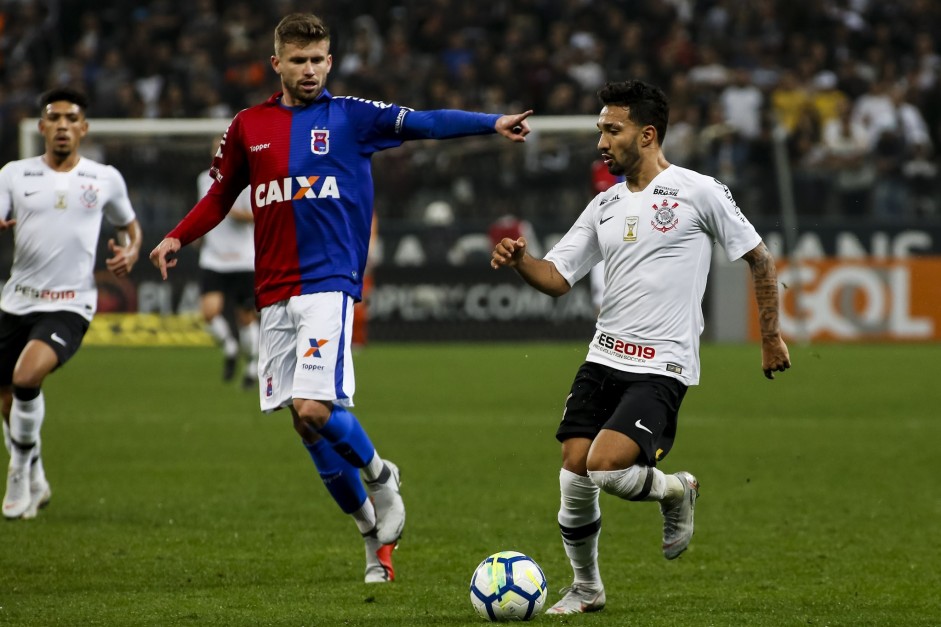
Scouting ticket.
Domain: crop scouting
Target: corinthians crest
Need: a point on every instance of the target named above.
(664, 217)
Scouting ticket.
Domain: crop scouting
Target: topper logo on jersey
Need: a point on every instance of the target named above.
(314, 350)
(319, 141)
(665, 217)
(295, 189)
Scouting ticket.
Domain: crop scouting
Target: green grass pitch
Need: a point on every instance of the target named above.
(176, 502)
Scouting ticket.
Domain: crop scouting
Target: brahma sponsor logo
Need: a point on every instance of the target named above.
(295, 189)
(624, 349)
(32, 292)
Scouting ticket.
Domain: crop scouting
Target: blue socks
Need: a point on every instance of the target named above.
(347, 437)
(339, 476)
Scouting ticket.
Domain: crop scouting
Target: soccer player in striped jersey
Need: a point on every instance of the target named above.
(306, 156)
(655, 233)
(55, 204)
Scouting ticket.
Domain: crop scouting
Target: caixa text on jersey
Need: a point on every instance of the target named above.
(32, 292)
(296, 188)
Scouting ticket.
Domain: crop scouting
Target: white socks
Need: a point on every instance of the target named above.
(248, 338)
(580, 524)
(365, 517)
(25, 422)
(374, 468)
(219, 329)
(638, 483)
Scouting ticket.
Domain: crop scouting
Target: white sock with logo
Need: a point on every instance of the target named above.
(580, 525)
(6, 436)
(365, 517)
(25, 422)
(638, 483)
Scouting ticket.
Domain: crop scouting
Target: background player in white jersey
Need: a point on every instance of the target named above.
(54, 203)
(227, 262)
(655, 232)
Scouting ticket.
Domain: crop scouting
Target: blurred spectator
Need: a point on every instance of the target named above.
(875, 111)
(789, 100)
(890, 198)
(741, 105)
(847, 156)
(920, 174)
(755, 61)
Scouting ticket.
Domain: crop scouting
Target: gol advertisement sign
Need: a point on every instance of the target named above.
(858, 300)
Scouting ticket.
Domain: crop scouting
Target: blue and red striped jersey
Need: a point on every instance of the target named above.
(309, 169)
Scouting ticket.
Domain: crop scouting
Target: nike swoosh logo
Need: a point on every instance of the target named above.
(603, 220)
(28, 194)
(640, 426)
(58, 340)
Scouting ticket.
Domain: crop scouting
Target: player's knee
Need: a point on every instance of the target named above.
(629, 483)
(314, 414)
(25, 377)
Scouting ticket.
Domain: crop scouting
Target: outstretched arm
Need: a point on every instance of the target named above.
(774, 355)
(539, 273)
(450, 123)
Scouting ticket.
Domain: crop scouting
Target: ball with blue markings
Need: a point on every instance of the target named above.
(508, 586)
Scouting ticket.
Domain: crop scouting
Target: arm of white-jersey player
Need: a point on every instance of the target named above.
(6, 202)
(539, 273)
(774, 354)
(126, 251)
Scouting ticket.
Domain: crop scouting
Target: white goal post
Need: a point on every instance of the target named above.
(31, 141)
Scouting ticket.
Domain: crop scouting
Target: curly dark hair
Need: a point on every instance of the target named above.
(646, 104)
(67, 94)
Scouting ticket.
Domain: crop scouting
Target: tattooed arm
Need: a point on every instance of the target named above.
(774, 355)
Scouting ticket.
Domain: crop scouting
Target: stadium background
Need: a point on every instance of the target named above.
(757, 90)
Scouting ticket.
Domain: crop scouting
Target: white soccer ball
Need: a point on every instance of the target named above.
(508, 586)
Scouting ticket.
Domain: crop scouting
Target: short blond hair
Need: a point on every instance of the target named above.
(301, 29)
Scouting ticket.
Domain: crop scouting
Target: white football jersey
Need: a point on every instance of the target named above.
(58, 221)
(657, 248)
(230, 246)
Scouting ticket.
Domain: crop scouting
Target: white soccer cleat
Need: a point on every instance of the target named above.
(17, 498)
(578, 599)
(390, 509)
(39, 496)
(678, 517)
(378, 561)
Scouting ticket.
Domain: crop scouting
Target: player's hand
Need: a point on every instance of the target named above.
(774, 356)
(123, 260)
(508, 252)
(7, 224)
(514, 127)
(163, 256)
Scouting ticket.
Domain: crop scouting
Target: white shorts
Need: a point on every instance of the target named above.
(304, 351)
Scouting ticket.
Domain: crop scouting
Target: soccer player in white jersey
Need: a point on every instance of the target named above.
(227, 262)
(55, 204)
(655, 232)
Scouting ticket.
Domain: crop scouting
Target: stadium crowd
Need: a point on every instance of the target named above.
(855, 84)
